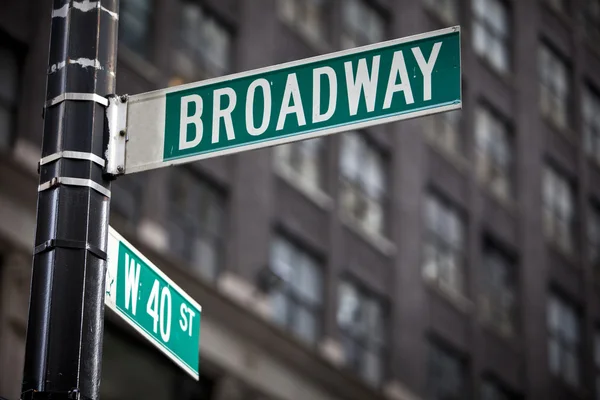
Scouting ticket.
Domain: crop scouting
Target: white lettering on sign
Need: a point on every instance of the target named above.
(187, 318)
(266, 119)
(190, 119)
(291, 92)
(331, 78)
(162, 304)
(224, 113)
(398, 67)
(427, 67)
(362, 82)
(132, 283)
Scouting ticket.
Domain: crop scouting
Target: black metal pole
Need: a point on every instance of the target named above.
(66, 313)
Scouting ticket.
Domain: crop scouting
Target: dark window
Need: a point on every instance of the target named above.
(305, 161)
(363, 178)
(297, 300)
(494, 153)
(559, 209)
(591, 123)
(135, 25)
(362, 24)
(306, 16)
(491, 32)
(555, 87)
(498, 297)
(564, 340)
(360, 317)
(446, 10)
(196, 222)
(444, 245)
(9, 90)
(446, 375)
(203, 47)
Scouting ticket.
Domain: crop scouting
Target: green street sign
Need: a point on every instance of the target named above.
(152, 304)
(353, 89)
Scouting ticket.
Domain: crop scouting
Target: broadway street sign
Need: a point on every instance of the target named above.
(152, 304)
(351, 89)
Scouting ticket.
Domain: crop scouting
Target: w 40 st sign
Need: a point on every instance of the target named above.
(352, 89)
(152, 303)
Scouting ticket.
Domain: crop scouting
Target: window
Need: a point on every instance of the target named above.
(134, 25)
(307, 16)
(363, 182)
(196, 223)
(491, 33)
(297, 300)
(498, 291)
(127, 197)
(591, 17)
(304, 159)
(447, 10)
(554, 87)
(444, 131)
(444, 245)
(593, 229)
(360, 317)
(563, 340)
(203, 44)
(9, 81)
(491, 390)
(445, 375)
(591, 123)
(597, 361)
(362, 24)
(493, 152)
(559, 210)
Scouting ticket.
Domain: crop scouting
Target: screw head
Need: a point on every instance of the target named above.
(120, 168)
(122, 132)
(123, 98)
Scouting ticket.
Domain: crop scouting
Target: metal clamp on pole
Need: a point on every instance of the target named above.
(116, 114)
(76, 155)
(63, 180)
(78, 97)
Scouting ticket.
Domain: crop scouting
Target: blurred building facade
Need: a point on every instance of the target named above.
(449, 257)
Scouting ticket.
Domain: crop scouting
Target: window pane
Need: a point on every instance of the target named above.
(9, 72)
(6, 118)
(280, 305)
(305, 325)
(134, 26)
(372, 367)
(205, 258)
(554, 355)
(362, 24)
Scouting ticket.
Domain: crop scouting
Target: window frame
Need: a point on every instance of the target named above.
(492, 34)
(438, 347)
(362, 345)
(432, 238)
(290, 292)
(190, 226)
(550, 168)
(298, 24)
(376, 11)
(202, 64)
(591, 130)
(498, 250)
(564, 346)
(559, 59)
(284, 155)
(358, 185)
(497, 119)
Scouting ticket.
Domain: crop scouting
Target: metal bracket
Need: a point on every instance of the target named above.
(69, 244)
(63, 180)
(78, 97)
(116, 114)
(78, 155)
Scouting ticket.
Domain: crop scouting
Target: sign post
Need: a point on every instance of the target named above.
(152, 304)
(353, 89)
(63, 350)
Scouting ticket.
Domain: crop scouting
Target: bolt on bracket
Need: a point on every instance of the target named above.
(116, 115)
